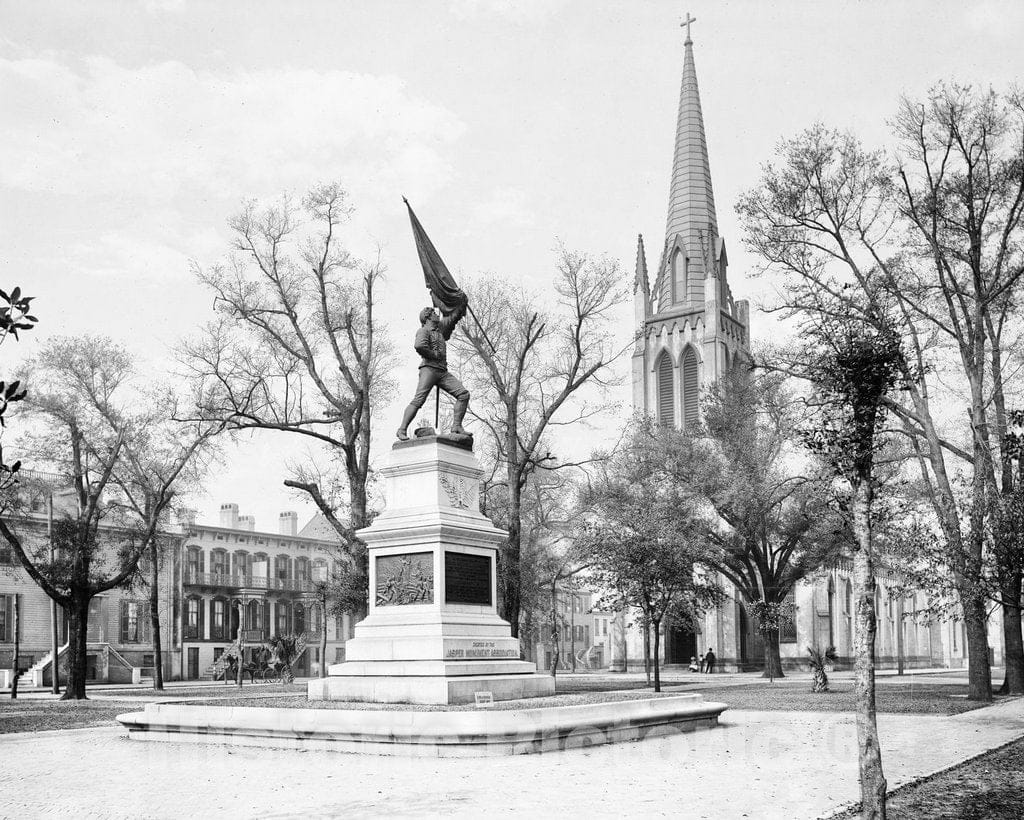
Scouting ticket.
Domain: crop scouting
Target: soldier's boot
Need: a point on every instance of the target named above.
(410, 414)
(459, 413)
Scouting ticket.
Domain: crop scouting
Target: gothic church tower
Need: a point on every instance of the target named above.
(691, 329)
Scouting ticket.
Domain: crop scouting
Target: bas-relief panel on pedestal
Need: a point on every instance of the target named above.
(405, 579)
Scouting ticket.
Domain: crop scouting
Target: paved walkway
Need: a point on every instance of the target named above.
(757, 765)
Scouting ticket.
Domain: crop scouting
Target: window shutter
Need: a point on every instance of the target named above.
(666, 403)
(124, 621)
(202, 618)
(691, 388)
(8, 612)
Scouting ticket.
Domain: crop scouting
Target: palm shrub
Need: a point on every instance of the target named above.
(286, 650)
(819, 661)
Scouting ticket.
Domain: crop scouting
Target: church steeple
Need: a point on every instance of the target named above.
(691, 203)
(691, 234)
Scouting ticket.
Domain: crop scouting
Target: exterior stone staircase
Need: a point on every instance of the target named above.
(216, 670)
(33, 676)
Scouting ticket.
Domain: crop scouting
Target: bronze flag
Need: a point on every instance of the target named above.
(446, 294)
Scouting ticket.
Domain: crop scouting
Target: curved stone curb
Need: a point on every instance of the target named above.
(440, 734)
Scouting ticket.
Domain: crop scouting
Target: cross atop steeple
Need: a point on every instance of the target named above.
(686, 23)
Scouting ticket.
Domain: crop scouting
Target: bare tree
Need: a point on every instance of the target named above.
(526, 365)
(296, 347)
(154, 447)
(935, 242)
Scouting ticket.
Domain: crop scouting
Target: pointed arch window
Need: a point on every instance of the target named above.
(691, 388)
(680, 283)
(666, 390)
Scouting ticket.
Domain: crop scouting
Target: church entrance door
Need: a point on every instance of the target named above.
(680, 645)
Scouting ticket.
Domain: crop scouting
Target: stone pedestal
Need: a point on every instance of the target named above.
(432, 634)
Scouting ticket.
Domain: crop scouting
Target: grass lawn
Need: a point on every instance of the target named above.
(989, 787)
(218, 691)
(794, 694)
(33, 715)
(889, 698)
(23, 715)
(790, 694)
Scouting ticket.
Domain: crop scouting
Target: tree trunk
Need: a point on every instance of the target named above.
(772, 655)
(657, 651)
(323, 638)
(554, 630)
(78, 625)
(15, 671)
(979, 678)
(154, 617)
(360, 519)
(872, 780)
(1013, 648)
(510, 582)
(572, 630)
(647, 650)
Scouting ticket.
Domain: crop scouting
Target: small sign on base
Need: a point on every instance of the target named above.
(484, 700)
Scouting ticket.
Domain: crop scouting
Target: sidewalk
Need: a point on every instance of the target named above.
(757, 764)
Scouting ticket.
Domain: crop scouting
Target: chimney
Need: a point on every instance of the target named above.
(247, 522)
(288, 523)
(229, 516)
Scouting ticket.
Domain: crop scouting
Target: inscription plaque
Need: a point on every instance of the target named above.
(467, 579)
(405, 579)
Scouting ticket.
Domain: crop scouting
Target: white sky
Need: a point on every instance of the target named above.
(131, 132)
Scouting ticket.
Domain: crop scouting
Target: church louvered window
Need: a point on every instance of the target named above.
(666, 393)
(691, 388)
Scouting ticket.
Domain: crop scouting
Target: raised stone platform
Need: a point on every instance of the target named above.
(432, 633)
(477, 733)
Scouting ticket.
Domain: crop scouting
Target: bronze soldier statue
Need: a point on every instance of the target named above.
(430, 343)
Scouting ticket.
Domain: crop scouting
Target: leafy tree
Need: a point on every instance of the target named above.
(854, 368)
(643, 539)
(99, 544)
(526, 362)
(340, 590)
(296, 347)
(14, 316)
(766, 513)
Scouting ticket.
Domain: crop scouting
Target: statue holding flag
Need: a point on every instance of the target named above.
(436, 329)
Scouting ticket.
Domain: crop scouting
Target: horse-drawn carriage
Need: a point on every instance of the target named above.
(270, 662)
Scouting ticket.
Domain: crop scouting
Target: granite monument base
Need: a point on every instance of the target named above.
(432, 634)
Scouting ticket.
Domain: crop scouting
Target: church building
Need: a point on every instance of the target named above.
(690, 331)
